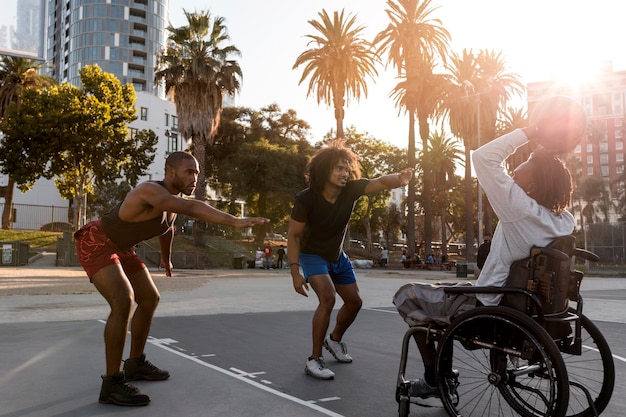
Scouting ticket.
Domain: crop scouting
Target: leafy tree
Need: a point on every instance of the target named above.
(443, 156)
(198, 69)
(259, 156)
(16, 74)
(79, 136)
(414, 43)
(376, 158)
(106, 196)
(480, 87)
(339, 62)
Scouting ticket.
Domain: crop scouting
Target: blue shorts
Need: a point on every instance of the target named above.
(341, 272)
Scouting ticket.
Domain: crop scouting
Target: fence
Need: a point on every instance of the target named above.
(33, 217)
(607, 241)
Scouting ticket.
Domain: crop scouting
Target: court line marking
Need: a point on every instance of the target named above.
(158, 343)
(246, 380)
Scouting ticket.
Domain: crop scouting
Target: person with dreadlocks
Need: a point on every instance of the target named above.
(531, 209)
(317, 227)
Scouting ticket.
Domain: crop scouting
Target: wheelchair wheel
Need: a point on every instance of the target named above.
(496, 361)
(593, 369)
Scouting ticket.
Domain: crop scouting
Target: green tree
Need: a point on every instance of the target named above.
(376, 158)
(16, 74)
(259, 157)
(198, 68)
(338, 63)
(78, 136)
(414, 43)
(441, 164)
(480, 88)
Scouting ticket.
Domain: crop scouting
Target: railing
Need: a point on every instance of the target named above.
(33, 217)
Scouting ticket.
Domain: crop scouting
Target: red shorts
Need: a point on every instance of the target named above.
(95, 250)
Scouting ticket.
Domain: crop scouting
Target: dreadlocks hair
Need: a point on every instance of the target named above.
(552, 180)
(323, 162)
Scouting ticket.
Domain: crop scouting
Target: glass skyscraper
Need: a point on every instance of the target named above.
(123, 37)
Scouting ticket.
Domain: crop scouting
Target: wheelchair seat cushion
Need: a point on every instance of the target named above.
(421, 303)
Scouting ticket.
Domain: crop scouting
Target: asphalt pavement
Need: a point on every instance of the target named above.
(235, 342)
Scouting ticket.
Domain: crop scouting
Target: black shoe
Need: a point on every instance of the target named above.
(115, 390)
(139, 368)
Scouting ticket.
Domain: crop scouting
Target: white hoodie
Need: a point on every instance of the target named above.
(523, 223)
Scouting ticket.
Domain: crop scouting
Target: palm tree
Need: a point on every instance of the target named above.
(338, 63)
(413, 43)
(463, 124)
(443, 157)
(480, 89)
(198, 69)
(16, 74)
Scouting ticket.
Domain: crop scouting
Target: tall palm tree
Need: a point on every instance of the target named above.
(16, 74)
(481, 87)
(441, 164)
(414, 42)
(463, 115)
(198, 68)
(338, 63)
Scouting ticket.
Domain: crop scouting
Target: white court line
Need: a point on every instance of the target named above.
(156, 342)
(258, 385)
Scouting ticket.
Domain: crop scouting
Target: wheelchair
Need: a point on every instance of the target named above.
(535, 354)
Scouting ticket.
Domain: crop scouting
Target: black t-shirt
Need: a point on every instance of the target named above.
(326, 222)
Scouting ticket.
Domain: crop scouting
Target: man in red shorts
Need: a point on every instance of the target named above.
(105, 249)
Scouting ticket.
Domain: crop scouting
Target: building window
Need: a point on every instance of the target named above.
(604, 147)
(619, 145)
(589, 171)
(604, 159)
(619, 169)
(589, 148)
(577, 149)
(619, 157)
(167, 119)
(604, 169)
(144, 113)
(590, 159)
(175, 122)
(619, 134)
(173, 142)
(618, 122)
(132, 132)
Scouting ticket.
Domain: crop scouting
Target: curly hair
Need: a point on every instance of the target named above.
(553, 182)
(324, 160)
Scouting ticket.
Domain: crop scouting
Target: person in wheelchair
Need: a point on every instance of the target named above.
(531, 209)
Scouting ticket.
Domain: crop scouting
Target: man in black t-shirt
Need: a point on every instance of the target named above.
(483, 251)
(317, 228)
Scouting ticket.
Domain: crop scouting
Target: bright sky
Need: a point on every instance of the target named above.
(540, 39)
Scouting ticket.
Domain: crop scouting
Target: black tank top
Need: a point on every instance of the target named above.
(125, 235)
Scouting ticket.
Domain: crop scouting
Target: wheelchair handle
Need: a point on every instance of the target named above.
(554, 253)
(587, 255)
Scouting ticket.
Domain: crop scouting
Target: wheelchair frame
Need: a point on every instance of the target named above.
(520, 358)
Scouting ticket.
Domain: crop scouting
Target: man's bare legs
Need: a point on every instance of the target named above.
(326, 293)
(112, 283)
(121, 293)
(147, 297)
(352, 303)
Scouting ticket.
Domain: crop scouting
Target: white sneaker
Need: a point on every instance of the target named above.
(338, 350)
(316, 367)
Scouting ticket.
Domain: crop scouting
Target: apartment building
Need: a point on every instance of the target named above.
(601, 152)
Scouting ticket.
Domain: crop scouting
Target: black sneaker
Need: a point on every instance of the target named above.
(115, 390)
(141, 369)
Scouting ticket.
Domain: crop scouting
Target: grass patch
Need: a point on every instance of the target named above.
(36, 239)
